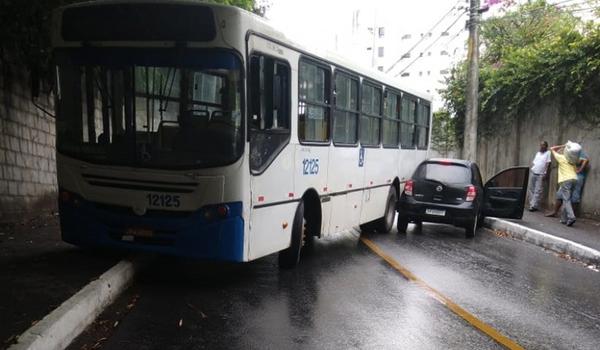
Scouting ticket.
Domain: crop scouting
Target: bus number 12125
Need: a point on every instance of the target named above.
(163, 200)
(310, 166)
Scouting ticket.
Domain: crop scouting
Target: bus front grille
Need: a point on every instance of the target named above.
(140, 185)
(150, 213)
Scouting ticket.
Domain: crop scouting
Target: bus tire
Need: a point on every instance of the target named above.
(289, 258)
(385, 223)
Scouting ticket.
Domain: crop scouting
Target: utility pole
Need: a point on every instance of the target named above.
(472, 91)
(374, 43)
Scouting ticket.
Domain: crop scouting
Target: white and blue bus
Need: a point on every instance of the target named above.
(199, 130)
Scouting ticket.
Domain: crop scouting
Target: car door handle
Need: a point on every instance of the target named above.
(502, 199)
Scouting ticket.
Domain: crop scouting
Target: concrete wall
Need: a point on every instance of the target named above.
(518, 143)
(27, 149)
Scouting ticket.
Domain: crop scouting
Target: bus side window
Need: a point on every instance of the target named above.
(422, 131)
(370, 117)
(269, 94)
(269, 117)
(313, 102)
(407, 122)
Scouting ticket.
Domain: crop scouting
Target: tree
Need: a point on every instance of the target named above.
(443, 138)
(245, 4)
(532, 54)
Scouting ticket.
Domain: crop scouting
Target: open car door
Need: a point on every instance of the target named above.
(504, 194)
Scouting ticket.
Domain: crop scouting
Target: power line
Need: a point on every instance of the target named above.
(424, 37)
(562, 2)
(567, 7)
(576, 6)
(453, 38)
(430, 45)
(586, 9)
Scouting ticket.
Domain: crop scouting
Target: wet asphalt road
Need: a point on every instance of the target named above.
(343, 296)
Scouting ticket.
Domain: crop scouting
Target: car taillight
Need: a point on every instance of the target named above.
(408, 187)
(471, 193)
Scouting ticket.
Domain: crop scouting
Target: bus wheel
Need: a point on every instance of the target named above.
(290, 257)
(385, 223)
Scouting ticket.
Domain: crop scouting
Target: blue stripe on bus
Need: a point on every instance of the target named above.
(192, 236)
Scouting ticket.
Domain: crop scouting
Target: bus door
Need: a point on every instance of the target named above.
(271, 159)
(347, 158)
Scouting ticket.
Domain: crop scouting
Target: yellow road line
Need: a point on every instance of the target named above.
(467, 316)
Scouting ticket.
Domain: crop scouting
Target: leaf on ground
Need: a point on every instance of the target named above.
(133, 302)
(98, 343)
(202, 314)
(12, 339)
(501, 233)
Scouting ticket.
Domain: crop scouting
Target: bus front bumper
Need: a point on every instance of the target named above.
(193, 235)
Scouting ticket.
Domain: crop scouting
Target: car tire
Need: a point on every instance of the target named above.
(471, 227)
(480, 220)
(385, 223)
(289, 258)
(418, 226)
(402, 223)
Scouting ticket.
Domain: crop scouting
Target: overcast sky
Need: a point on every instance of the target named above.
(318, 21)
(327, 24)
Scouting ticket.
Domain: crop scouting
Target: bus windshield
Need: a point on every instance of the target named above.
(150, 108)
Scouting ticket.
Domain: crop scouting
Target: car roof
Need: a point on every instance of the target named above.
(464, 162)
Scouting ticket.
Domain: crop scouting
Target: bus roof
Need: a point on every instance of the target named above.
(252, 23)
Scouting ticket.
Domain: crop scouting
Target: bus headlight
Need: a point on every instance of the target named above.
(216, 212)
(69, 198)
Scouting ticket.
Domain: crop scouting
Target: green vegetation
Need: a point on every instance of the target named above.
(533, 55)
(245, 4)
(443, 139)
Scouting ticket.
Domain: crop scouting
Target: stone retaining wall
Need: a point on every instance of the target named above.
(27, 149)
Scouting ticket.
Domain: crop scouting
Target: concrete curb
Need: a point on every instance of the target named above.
(65, 323)
(539, 238)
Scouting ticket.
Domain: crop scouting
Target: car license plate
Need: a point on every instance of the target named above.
(435, 212)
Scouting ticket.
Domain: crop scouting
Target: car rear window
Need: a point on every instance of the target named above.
(443, 172)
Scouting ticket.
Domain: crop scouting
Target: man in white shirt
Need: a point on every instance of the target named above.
(539, 171)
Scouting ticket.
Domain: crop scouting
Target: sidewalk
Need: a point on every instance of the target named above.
(38, 272)
(580, 241)
(584, 231)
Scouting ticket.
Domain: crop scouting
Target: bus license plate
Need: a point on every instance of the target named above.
(435, 212)
(139, 232)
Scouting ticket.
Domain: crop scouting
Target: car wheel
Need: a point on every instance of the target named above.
(418, 226)
(289, 258)
(480, 220)
(384, 224)
(471, 227)
(402, 223)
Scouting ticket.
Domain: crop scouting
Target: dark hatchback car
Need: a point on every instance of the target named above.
(451, 191)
